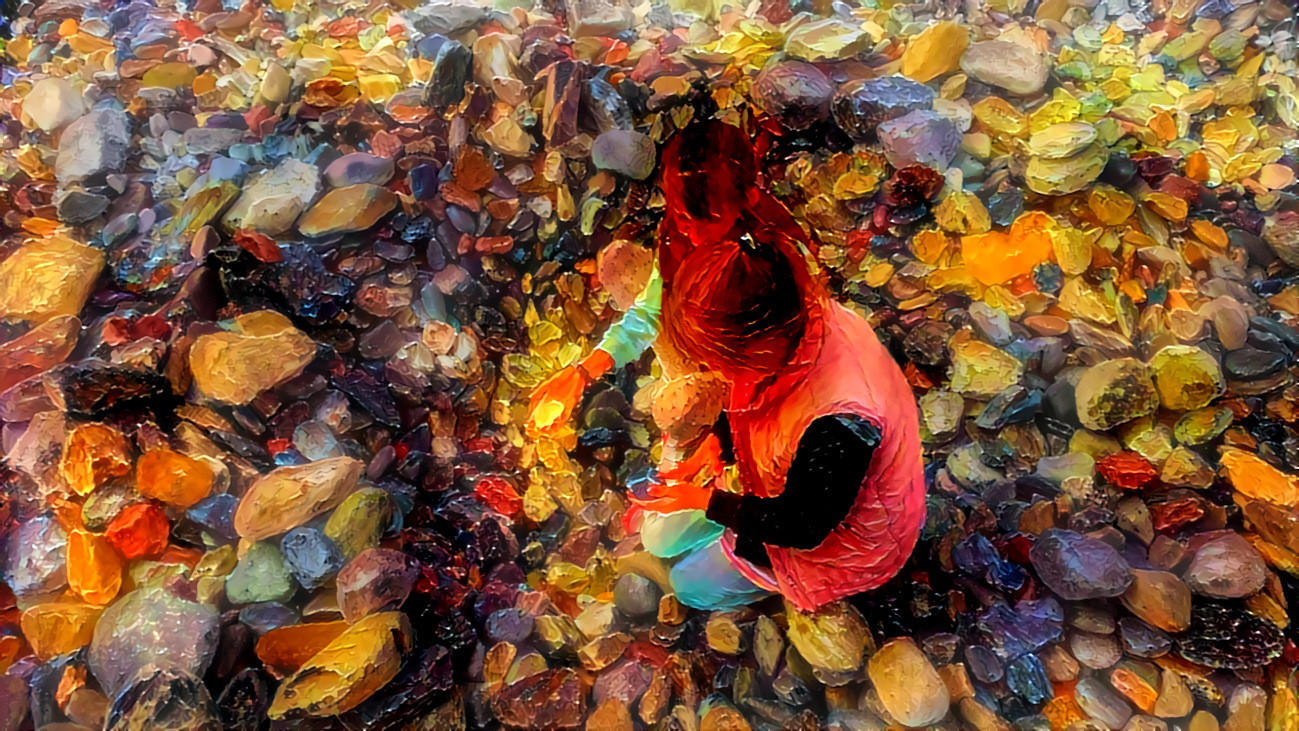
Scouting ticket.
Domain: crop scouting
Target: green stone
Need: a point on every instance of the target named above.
(359, 521)
(260, 576)
(1202, 425)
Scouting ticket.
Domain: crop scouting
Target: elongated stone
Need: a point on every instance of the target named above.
(173, 478)
(260, 351)
(359, 521)
(93, 455)
(94, 569)
(290, 496)
(37, 554)
(350, 669)
(351, 208)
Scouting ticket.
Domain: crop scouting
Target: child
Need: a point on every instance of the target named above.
(819, 418)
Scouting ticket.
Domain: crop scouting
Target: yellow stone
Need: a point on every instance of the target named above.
(350, 669)
(935, 51)
(170, 75)
(94, 454)
(1062, 140)
(260, 351)
(1187, 377)
(48, 278)
(834, 639)
(981, 370)
(59, 627)
(909, 687)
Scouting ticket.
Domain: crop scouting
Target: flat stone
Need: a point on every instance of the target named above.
(150, 626)
(1115, 392)
(920, 137)
(262, 575)
(48, 278)
(1079, 567)
(272, 201)
(290, 496)
(53, 103)
(94, 144)
(352, 208)
(1227, 567)
(1006, 64)
(259, 351)
(359, 167)
(625, 152)
(1159, 598)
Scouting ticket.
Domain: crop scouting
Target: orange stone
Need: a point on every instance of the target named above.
(173, 478)
(1062, 711)
(1132, 685)
(59, 627)
(1197, 166)
(997, 257)
(94, 569)
(287, 648)
(1255, 478)
(140, 530)
(94, 454)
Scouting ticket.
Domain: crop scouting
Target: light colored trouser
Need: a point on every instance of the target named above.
(703, 577)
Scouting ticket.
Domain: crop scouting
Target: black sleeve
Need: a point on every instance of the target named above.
(829, 466)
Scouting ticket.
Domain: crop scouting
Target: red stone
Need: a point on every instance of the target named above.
(1127, 470)
(1174, 514)
(499, 495)
(139, 531)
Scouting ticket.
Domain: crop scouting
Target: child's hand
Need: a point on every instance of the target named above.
(551, 404)
(705, 462)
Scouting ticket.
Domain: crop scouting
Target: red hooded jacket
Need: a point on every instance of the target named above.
(822, 422)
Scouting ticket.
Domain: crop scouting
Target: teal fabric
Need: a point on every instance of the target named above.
(633, 333)
(706, 579)
(668, 535)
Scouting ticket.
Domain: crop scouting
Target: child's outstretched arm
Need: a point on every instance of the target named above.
(552, 403)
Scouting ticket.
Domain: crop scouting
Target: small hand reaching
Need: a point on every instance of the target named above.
(551, 403)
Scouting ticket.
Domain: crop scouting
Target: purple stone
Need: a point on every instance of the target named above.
(359, 167)
(1030, 626)
(1079, 567)
(920, 137)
